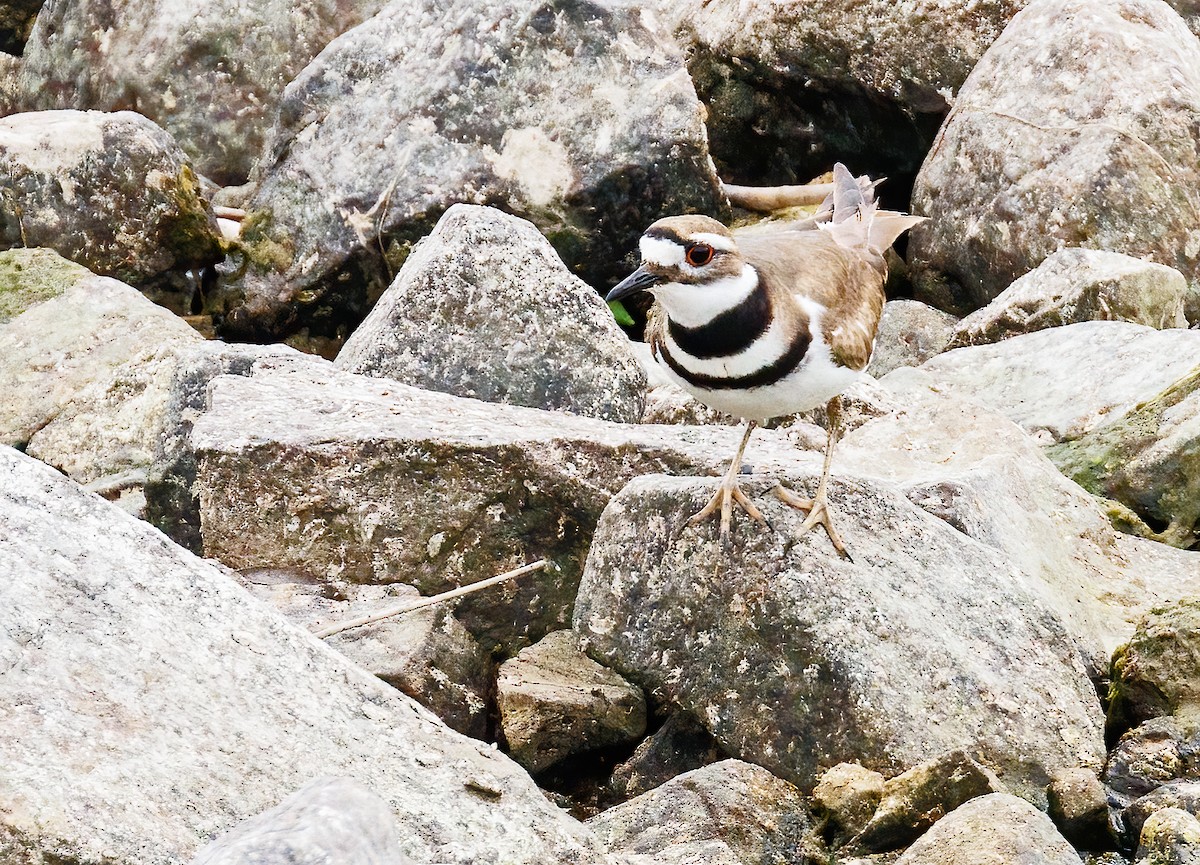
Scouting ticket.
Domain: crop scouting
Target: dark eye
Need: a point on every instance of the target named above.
(699, 254)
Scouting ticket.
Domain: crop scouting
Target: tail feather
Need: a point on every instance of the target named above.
(854, 219)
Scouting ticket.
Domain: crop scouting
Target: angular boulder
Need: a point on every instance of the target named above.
(910, 333)
(1079, 808)
(1170, 837)
(572, 113)
(151, 705)
(1146, 757)
(112, 192)
(1158, 671)
(680, 745)
(1073, 129)
(848, 795)
(484, 308)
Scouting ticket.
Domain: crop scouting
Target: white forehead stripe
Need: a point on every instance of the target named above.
(660, 251)
(716, 241)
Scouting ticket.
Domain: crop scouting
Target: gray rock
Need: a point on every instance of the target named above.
(330, 821)
(10, 70)
(112, 192)
(915, 800)
(572, 113)
(1158, 671)
(426, 653)
(1182, 795)
(151, 705)
(847, 795)
(1170, 837)
(886, 660)
(992, 830)
(761, 819)
(910, 332)
(211, 75)
(29, 276)
(1072, 130)
(1074, 285)
(680, 745)
(1079, 808)
(556, 702)
(1145, 758)
(484, 308)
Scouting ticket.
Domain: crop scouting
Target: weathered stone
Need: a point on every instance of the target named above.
(998, 829)
(149, 704)
(886, 660)
(29, 276)
(426, 653)
(910, 332)
(556, 702)
(1158, 671)
(1170, 837)
(1074, 285)
(169, 58)
(1108, 165)
(915, 800)
(1079, 808)
(760, 818)
(402, 128)
(1184, 795)
(848, 795)
(680, 745)
(16, 20)
(335, 821)
(112, 192)
(10, 69)
(1062, 382)
(484, 308)
(1145, 758)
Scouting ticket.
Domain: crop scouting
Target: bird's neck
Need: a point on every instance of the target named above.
(695, 306)
(730, 331)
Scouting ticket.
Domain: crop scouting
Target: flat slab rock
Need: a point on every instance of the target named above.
(149, 704)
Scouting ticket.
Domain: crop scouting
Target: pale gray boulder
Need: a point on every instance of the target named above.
(847, 795)
(112, 192)
(484, 308)
(210, 74)
(1074, 129)
(1074, 285)
(556, 702)
(1170, 837)
(910, 333)
(998, 829)
(576, 114)
(329, 821)
(151, 705)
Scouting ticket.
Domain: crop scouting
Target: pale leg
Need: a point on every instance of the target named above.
(729, 492)
(818, 506)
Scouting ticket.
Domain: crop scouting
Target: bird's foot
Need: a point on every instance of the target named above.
(818, 512)
(723, 499)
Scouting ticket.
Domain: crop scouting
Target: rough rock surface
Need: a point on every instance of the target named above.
(334, 821)
(1170, 837)
(1145, 757)
(848, 795)
(149, 704)
(16, 20)
(1079, 808)
(212, 75)
(1053, 162)
(556, 702)
(433, 103)
(910, 333)
(29, 276)
(680, 745)
(992, 830)
(1074, 285)
(426, 653)
(865, 674)
(484, 308)
(1184, 795)
(1158, 671)
(756, 816)
(112, 192)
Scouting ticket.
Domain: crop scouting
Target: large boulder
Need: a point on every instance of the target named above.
(484, 308)
(1074, 129)
(112, 192)
(1158, 672)
(150, 705)
(210, 74)
(572, 113)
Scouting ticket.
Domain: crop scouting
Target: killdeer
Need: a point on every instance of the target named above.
(768, 323)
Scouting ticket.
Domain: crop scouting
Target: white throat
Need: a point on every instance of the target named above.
(698, 304)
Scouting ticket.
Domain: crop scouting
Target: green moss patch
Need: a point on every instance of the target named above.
(30, 276)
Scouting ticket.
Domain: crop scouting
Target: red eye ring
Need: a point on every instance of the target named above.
(699, 254)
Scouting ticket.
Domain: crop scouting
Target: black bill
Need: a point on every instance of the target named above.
(640, 280)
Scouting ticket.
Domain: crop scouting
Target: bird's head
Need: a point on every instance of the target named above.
(692, 267)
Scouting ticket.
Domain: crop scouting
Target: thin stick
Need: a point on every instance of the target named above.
(768, 198)
(430, 601)
(237, 214)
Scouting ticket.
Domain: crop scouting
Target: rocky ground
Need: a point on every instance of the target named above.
(300, 322)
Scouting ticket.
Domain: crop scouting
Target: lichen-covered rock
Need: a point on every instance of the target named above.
(910, 332)
(1170, 837)
(10, 69)
(761, 819)
(1145, 758)
(680, 745)
(915, 800)
(426, 653)
(1079, 808)
(800, 660)
(16, 20)
(1183, 795)
(572, 113)
(335, 821)
(211, 74)
(998, 829)
(29, 276)
(1158, 671)
(848, 795)
(112, 192)
(484, 308)
(150, 704)
(1074, 285)
(556, 702)
(1074, 129)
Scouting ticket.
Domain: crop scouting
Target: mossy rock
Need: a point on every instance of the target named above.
(29, 276)
(1157, 672)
